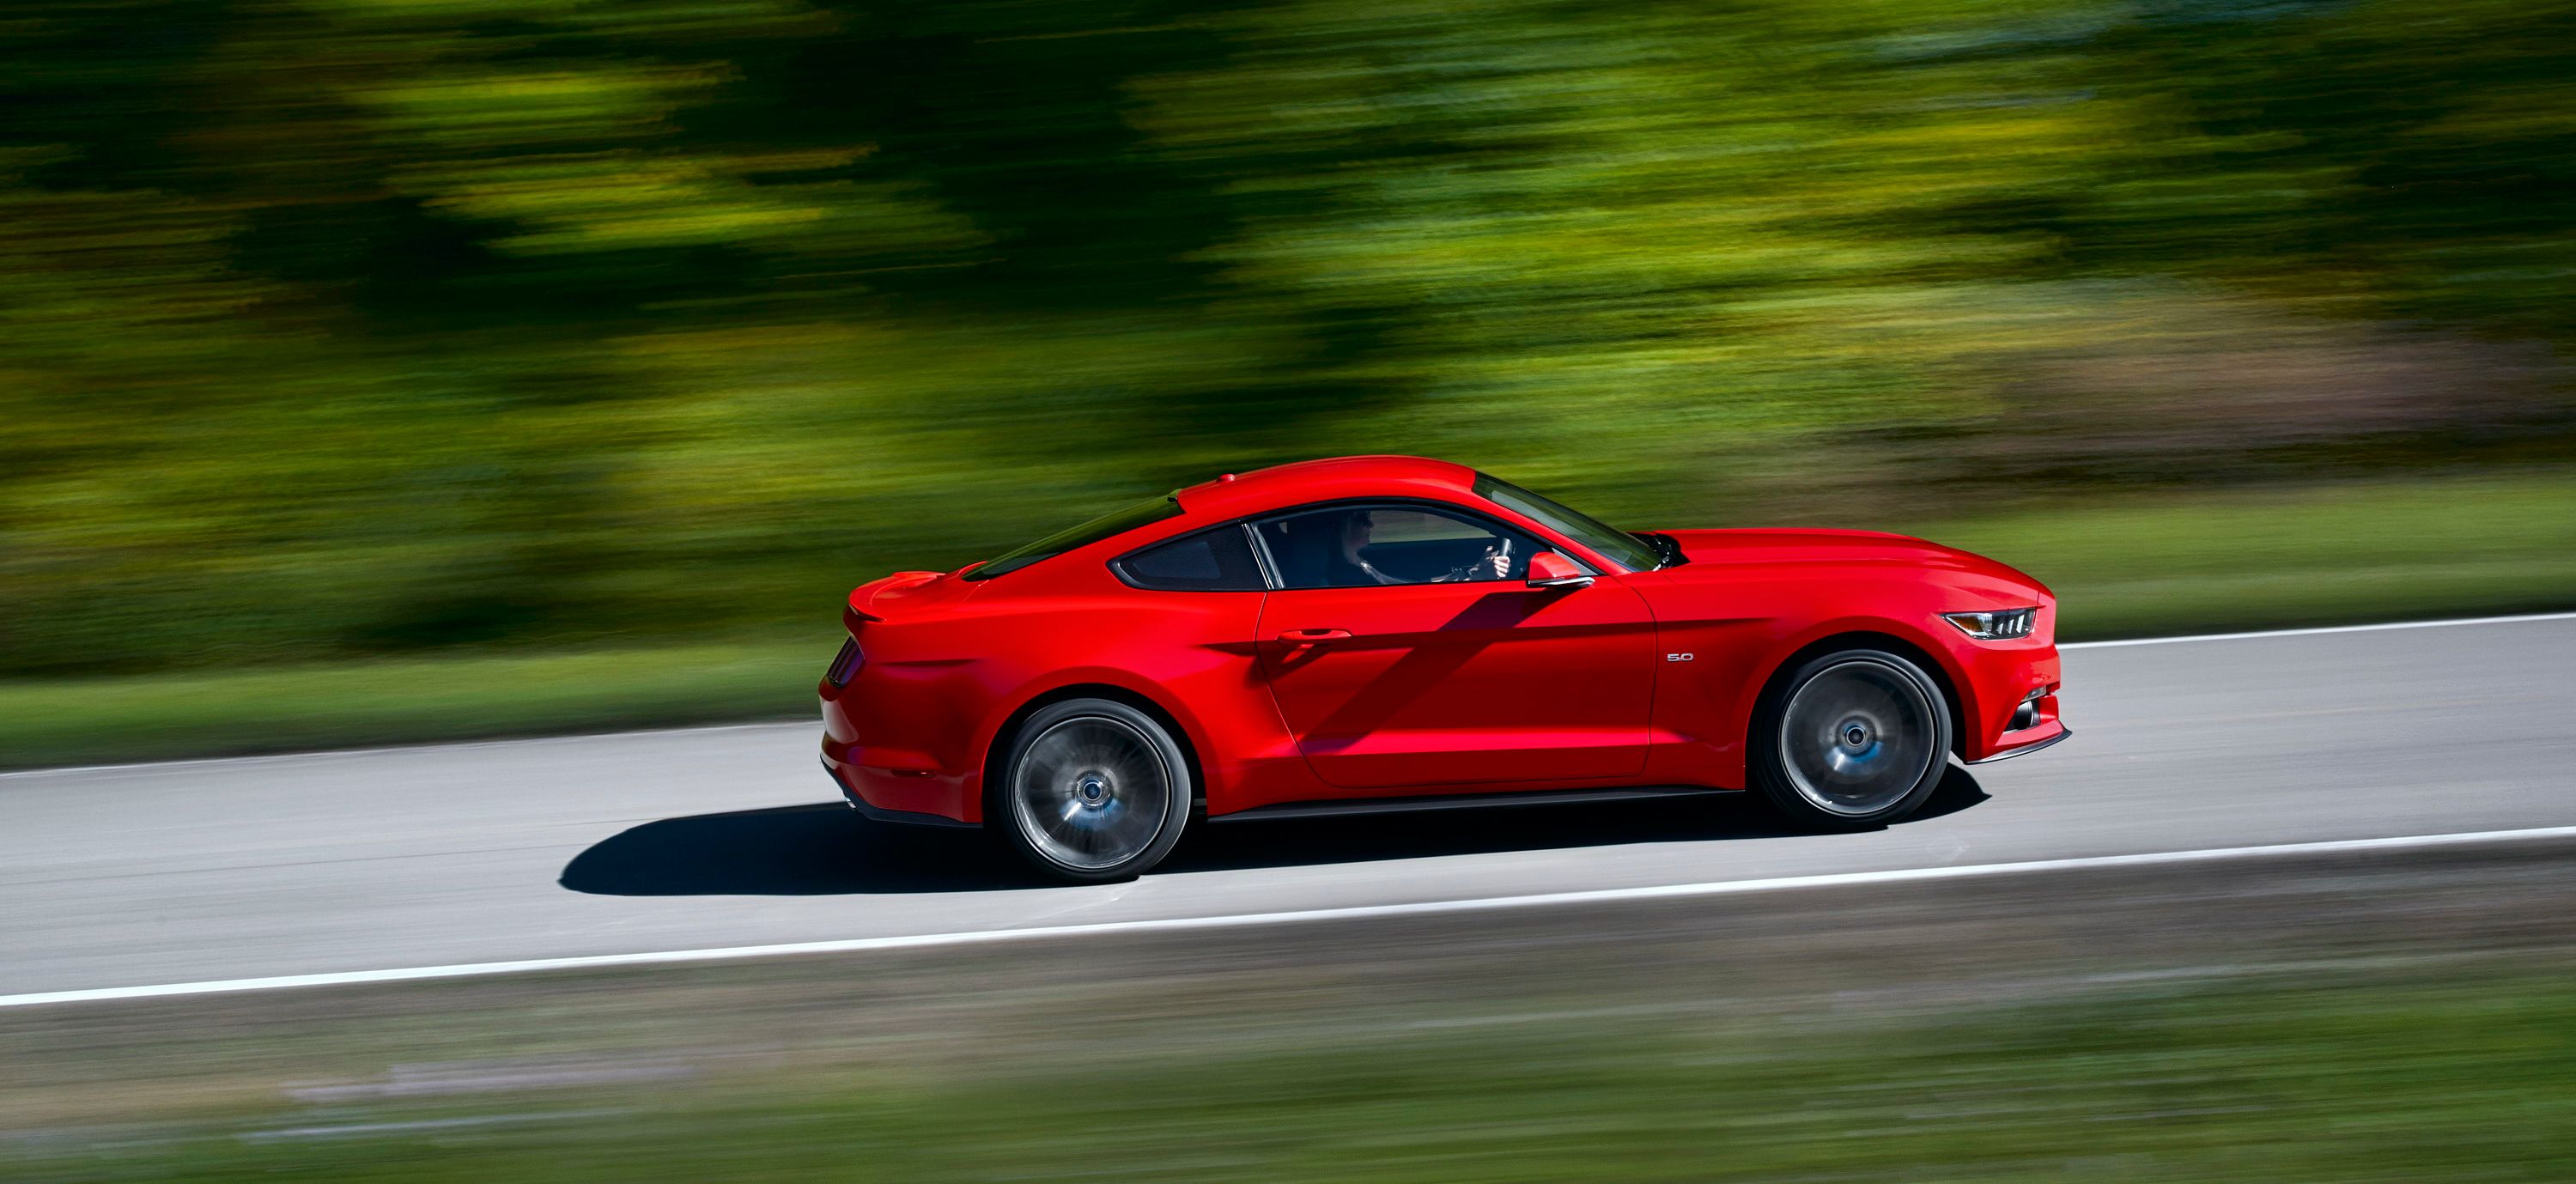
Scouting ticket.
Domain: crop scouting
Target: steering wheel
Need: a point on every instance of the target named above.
(1497, 558)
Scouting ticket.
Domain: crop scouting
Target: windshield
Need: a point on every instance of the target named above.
(1080, 536)
(1615, 545)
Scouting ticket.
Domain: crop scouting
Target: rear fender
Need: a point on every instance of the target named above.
(1073, 683)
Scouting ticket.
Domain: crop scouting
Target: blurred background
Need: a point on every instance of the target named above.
(392, 369)
(376, 371)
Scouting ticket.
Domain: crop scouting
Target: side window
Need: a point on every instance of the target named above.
(1217, 560)
(1361, 546)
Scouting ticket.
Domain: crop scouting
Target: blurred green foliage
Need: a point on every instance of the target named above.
(351, 327)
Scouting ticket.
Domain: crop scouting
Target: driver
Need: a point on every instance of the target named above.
(1359, 526)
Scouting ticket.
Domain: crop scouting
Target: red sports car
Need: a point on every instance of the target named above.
(1382, 632)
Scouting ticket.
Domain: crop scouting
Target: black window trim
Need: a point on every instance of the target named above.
(1269, 564)
(1482, 477)
(1261, 556)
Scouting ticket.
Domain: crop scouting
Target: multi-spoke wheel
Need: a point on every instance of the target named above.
(1093, 790)
(1852, 738)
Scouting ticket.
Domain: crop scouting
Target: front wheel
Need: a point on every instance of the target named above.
(1852, 739)
(1093, 791)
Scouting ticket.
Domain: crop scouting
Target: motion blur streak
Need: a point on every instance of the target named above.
(2379, 628)
(1365, 912)
(381, 372)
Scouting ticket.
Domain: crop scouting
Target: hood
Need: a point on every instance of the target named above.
(1765, 546)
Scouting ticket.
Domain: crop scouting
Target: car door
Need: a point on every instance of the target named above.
(1405, 650)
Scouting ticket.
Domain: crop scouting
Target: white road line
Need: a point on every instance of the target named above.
(1246, 920)
(2098, 645)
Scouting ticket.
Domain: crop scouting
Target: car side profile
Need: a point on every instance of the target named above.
(1370, 633)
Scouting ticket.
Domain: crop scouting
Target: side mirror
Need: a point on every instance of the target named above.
(1547, 569)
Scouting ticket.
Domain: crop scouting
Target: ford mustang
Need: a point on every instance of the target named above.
(1374, 633)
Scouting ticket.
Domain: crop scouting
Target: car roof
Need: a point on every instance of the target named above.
(1327, 480)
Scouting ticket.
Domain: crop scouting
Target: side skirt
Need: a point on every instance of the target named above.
(1462, 801)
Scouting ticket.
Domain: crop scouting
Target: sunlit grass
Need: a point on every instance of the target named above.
(2308, 556)
(2288, 1079)
(358, 705)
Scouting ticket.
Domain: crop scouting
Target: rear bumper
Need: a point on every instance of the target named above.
(877, 813)
(882, 734)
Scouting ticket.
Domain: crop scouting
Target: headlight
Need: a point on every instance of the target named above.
(1999, 625)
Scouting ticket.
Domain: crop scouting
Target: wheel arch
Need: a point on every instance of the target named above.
(998, 748)
(1863, 638)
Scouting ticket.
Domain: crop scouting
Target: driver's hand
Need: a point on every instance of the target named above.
(1494, 564)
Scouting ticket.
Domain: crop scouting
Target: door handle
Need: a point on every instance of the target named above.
(1312, 636)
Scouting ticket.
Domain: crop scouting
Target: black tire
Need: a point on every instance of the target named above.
(1851, 740)
(1092, 791)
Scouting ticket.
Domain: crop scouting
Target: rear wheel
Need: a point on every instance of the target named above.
(1093, 791)
(1852, 739)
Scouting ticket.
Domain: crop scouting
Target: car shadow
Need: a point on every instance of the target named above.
(825, 849)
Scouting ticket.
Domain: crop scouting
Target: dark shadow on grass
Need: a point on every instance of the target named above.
(825, 849)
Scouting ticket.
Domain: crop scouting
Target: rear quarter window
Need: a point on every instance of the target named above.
(1217, 560)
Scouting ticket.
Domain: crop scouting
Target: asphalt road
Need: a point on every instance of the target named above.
(730, 836)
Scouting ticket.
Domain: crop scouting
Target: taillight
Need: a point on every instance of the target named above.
(846, 663)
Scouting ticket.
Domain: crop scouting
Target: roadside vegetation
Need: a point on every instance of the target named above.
(379, 354)
(2253, 1083)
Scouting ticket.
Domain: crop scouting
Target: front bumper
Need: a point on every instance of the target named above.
(2000, 679)
(2019, 746)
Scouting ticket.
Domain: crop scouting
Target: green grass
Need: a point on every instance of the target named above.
(2309, 556)
(2289, 1079)
(2187, 564)
(292, 708)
